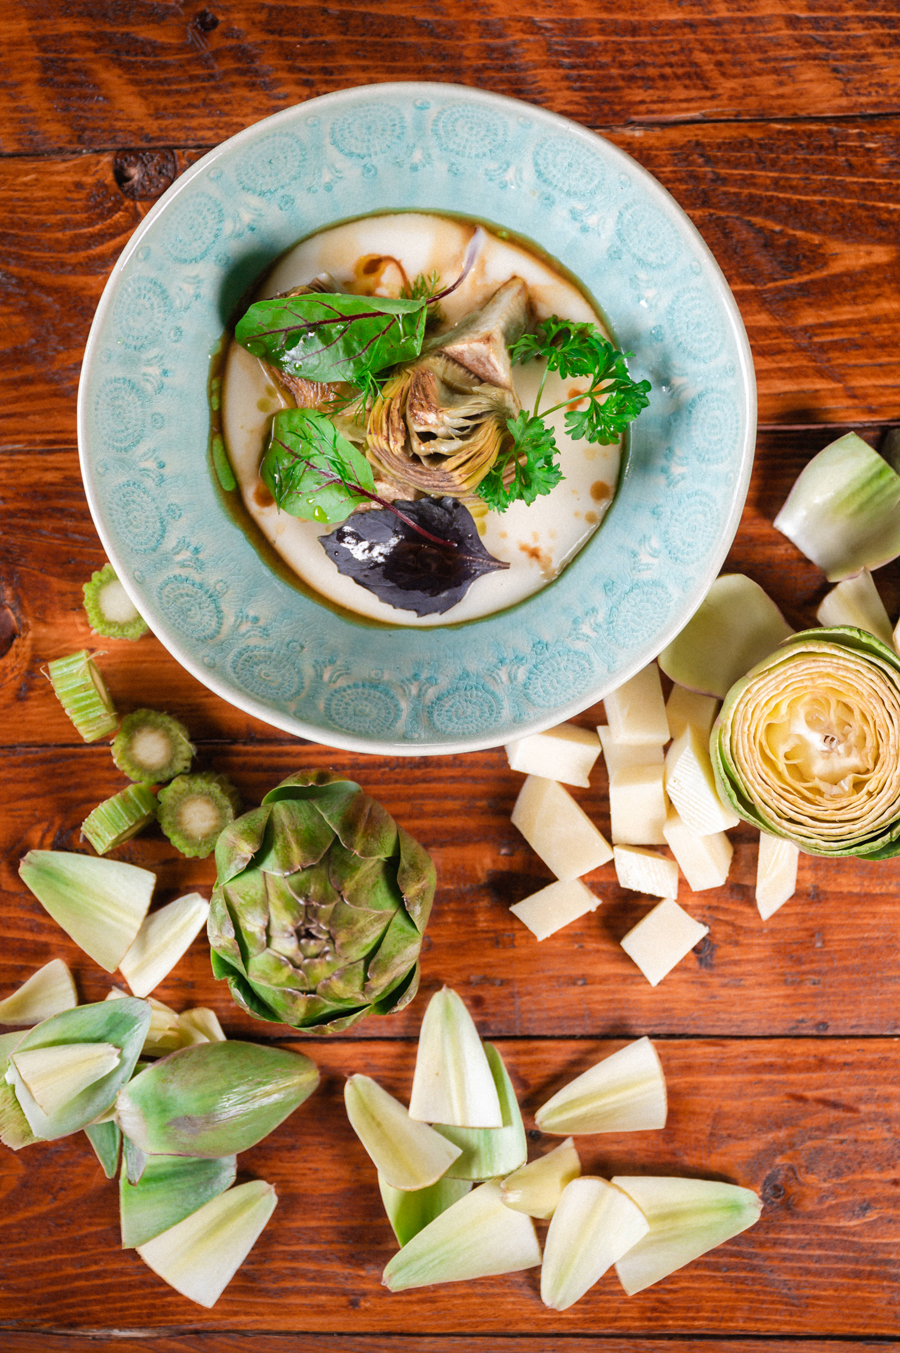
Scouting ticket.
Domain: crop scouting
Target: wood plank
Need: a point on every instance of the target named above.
(135, 75)
(810, 280)
(53, 1341)
(825, 964)
(813, 1126)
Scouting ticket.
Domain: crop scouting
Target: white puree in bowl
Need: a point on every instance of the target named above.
(537, 541)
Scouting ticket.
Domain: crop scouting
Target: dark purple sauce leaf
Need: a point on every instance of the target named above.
(389, 557)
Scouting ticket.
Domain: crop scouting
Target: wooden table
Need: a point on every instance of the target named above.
(777, 128)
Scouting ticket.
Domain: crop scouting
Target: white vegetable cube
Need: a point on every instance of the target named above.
(558, 829)
(563, 753)
(691, 785)
(776, 873)
(704, 860)
(555, 906)
(661, 939)
(637, 807)
(626, 756)
(684, 708)
(636, 712)
(646, 871)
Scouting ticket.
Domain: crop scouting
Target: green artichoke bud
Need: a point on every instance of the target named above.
(320, 905)
(807, 744)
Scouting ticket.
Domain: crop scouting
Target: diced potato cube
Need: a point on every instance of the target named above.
(704, 860)
(558, 829)
(685, 707)
(625, 756)
(646, 871)
(563, 753)
(555, 906)
(776, 873)
(691, 785)
(637, 807)
(636, 712)
(662, 938)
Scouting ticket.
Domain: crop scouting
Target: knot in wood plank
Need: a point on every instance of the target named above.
(142, 174)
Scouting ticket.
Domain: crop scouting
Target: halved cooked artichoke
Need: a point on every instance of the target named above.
(439, 423)
(807, 744)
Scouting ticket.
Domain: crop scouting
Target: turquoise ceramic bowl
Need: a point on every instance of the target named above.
(143, 421)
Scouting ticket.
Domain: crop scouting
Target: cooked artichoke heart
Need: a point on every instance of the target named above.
(481, 340)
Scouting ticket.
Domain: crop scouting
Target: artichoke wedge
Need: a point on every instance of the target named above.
(807, 744)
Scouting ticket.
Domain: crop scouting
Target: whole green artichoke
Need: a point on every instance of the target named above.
(320, 905)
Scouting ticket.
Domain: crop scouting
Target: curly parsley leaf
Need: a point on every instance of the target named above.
(532, 454)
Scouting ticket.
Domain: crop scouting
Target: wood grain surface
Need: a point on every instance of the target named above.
(777, 128)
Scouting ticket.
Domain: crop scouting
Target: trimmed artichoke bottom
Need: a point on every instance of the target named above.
(320, 905)
(807, 744)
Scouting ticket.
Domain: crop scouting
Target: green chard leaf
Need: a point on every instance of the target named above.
(313, 472)
(334, 337)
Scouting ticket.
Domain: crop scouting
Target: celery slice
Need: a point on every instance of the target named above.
(170, 1188)
(195, 809)
(100, 904)
(117, 819)
(536, 1188)
(407, 1154)
(594, 1225)
(475, 1238)
(410, 1210)
(856, 602)
(54, 1075)
(844, 510)
(120, 1023)
(687, 1217)
(488, 1153)
(82, 692)
(452, 1083)
(47, 992)
(110, 610)
(152, 746)
(164, 937)
(106, 1140)
(735, 627)
(200, 1255)
(626, 1092)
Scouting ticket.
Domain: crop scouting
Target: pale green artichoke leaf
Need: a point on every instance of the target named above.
(399, 996)
(344, 984)
(239, 842)
(220, 931)
(123, 1023)
(213, 1099)
(106, 1140)
(243, 994)
(247, 900)
(417, 879)
(170, 1188)
(365, 882)
(313, 1013)
(296, 837)
(363, 826)
(269, 969)
(312, 887)
(14, 1128)
(321, 786)
(357, 930)
(397, 952)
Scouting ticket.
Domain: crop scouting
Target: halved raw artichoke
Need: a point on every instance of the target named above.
(807, 744)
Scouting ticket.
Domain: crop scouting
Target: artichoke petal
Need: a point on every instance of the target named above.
(417, 878)
(397, 952)
(221, 932)
(362, 826)
(239, 842)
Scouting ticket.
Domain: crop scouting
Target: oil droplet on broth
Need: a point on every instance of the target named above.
(600, 492)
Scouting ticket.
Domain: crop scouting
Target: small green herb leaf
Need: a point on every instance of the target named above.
(313, 472)
(532, 454)
(333, 337)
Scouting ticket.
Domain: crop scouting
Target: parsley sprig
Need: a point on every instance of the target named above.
(613, 401)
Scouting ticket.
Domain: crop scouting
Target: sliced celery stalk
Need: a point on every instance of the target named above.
(119, 818)
(687, 1217)
(855, 601)
(82, 692)
(200, 1025)
(152, 746)
(536, 1188)
(407, 1154)
(488, 1153)
(844, 510)
(170, 1188)
(626, 1092)
(163, 939)
(452, 1083)
(110, 610)
(475, 1238)
(47, 992)
(54, 1075)
(594, 1225)
(100, 904)
(410, 1210)
(121, 1023)
(215, 1099)
(200, 1255)
(106, 1139)
(735, 627)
